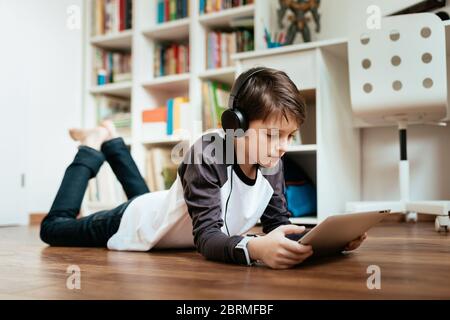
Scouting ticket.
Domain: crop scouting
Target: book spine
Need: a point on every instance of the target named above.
(173, 10)
(122, 15)
(217, 50)
(177, 59)
(160, 10)
(129, 14)
(176, 114)
(185, 8)
(169, 117)
(115, 16)
(178, 8)
(166, 10)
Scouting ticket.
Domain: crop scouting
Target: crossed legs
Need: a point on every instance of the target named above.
(61, 227)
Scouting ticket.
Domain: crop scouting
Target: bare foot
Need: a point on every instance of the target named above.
(90, 137)
(109, 125)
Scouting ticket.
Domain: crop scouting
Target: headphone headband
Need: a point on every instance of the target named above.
(240, 81)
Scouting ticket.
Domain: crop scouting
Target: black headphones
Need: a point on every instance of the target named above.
(233, 118)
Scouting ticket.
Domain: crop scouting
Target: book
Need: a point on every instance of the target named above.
(214, 101)
(154, 123)
(207, 6)
(161, 171)
(175, 117)
(111, 66)
(105, 188)
(117, 110)
(169, 130)
(173, 114)
(169, 10)
(171, 58)
(223, 43)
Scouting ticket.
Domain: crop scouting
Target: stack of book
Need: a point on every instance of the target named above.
(118, 111)
(164, 121)
(111, 16)
(171, 59)
(222, 44)
(207, 6)
(161, 170)
(215, 99)
(169, 10)
(110, 67)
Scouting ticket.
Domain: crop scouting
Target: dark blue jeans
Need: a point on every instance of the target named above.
(61, 227)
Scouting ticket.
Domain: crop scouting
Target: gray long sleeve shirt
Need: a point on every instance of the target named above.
(210, 206)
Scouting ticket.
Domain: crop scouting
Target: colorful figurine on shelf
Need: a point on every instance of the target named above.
(299, 20)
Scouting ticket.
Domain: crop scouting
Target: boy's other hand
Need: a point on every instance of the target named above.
(277, 251)
(352, 245)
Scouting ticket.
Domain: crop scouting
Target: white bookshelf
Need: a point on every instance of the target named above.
(169, 31)
(147, 91)
(308, 148)
(119, 40)
(308, 220)
(224, 17)
(166, 140)
(225, 74)
(174, 82)
(120, 89)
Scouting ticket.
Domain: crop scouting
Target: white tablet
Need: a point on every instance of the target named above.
(335, 232)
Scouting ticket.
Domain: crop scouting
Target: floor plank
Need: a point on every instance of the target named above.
(413, 258)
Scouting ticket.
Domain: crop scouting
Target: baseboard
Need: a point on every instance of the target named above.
(36, 218)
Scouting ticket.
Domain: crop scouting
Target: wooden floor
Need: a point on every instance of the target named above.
(413, 258)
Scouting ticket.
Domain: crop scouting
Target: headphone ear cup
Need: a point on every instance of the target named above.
(233, 119)
(241, 120)
(229, 120)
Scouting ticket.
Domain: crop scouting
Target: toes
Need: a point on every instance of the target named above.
(76, 134)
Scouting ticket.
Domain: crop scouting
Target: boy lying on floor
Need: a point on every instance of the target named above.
(226, 182)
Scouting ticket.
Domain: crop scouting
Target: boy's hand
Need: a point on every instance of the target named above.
(277, 251)
(352, 245)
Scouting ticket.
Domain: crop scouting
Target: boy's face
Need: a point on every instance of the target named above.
(267, 141)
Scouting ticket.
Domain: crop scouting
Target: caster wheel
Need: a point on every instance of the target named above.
(439, 226)
(411, 217)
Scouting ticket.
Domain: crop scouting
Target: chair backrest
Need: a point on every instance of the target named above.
(398, 73)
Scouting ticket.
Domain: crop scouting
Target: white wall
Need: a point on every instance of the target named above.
(35, 38)
(428, 147)
(429, 155)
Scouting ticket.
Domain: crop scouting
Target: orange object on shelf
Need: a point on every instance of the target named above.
(155, 115)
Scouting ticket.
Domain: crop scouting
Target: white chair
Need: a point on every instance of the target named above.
(398, 76)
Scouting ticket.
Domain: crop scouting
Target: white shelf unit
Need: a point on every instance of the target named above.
(119, 40)
(169, 83)
(224, 17)
(121, 89)
(169, 31)
(331, 152)
(147, 91)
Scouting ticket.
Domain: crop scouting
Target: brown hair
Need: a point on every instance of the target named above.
(270, 92)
